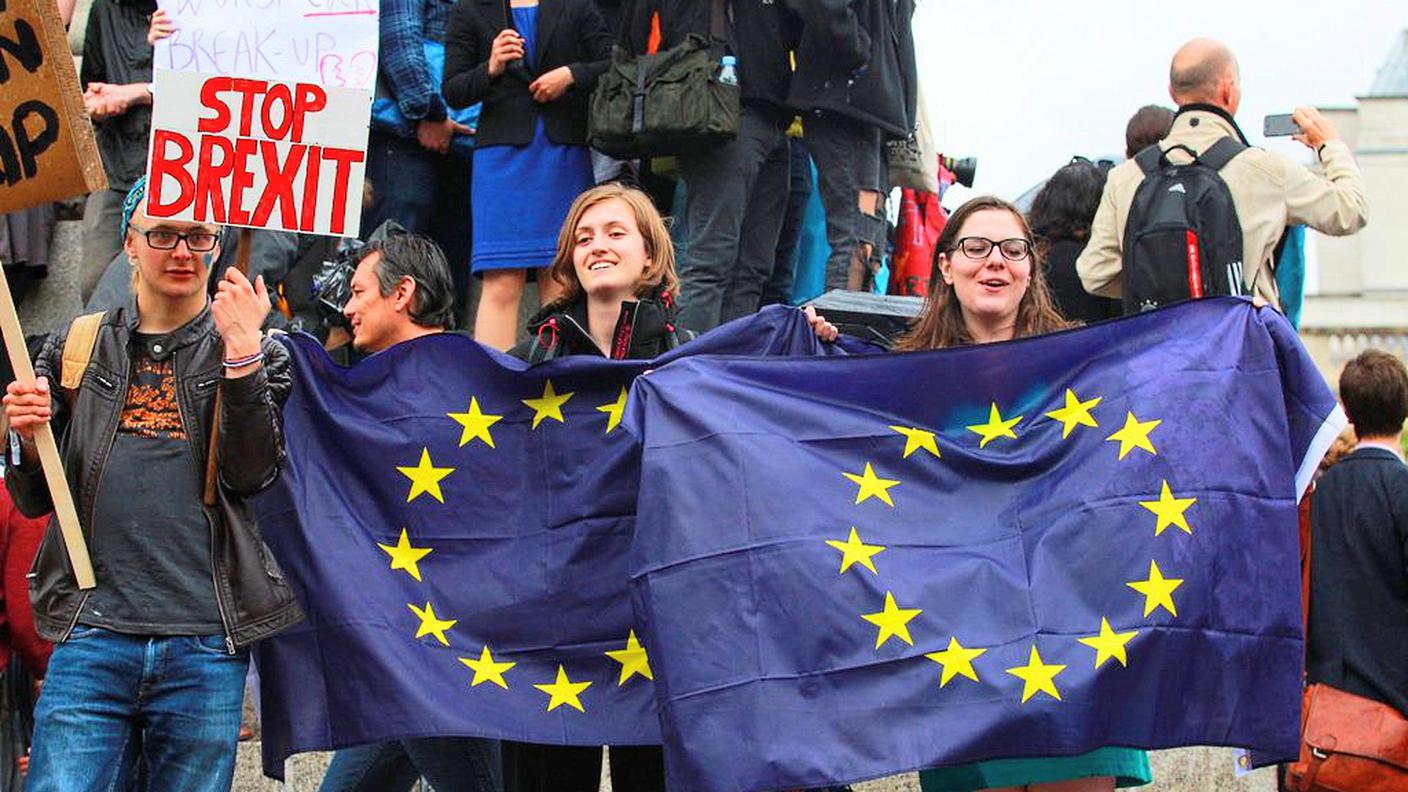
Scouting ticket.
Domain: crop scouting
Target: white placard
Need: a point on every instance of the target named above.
(260, 113)
(257, 153)
(329, 42)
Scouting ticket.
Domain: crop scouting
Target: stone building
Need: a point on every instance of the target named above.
(1359, 298)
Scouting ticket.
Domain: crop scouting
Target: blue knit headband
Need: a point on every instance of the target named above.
(134, 197)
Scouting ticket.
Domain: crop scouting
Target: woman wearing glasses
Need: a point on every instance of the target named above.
(986, 287)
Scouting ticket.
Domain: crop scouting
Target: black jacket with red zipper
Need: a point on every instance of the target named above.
(645, 329)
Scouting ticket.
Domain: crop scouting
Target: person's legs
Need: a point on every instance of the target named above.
(548, 287)
(717, 185)
(450, 227)
(799, 188)
(102, 237)
(637, 768)
(375, 767)
(496, 321)
(531, 767)
(192, 697)
(85, 720)
(457, 764)
(404, 178)
(762, 224)
(833, 141)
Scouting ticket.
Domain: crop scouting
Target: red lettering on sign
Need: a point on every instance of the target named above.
(210, 98)
(344, 159)
(280, 187)
(163, 165)
(210, 201)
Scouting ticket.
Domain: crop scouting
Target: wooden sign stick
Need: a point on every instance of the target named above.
(59, 493)
(212, 461)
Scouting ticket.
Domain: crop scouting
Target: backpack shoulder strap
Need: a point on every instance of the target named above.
(1150, 158)
(1222, 152)
(78, 349)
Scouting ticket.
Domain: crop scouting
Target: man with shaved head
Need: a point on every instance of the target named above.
(1269, 190)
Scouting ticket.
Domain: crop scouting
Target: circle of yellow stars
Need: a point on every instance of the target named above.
(957, 660)
(476, 426)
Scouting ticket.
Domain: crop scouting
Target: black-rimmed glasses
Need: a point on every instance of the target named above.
(166, 239)
(1014, 249)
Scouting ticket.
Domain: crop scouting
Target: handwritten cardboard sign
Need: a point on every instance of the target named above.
(329, 42)
(47, 149)
(257, 153)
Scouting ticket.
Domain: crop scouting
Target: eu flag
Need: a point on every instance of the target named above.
(457, 527)
(851, 567)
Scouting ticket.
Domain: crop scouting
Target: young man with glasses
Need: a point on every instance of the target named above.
(153, 659)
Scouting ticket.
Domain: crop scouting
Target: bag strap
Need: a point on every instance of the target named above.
(717, 16)
(78, 349)
(1150, 159)
(1220, 153)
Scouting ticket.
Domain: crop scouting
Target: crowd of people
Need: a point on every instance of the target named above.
(147, 672)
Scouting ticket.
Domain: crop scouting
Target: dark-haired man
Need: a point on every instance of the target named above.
(1357, 639)
(402, 290)
(1269, 190)
(154, 657)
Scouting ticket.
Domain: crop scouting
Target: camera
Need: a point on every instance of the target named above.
(331, 287)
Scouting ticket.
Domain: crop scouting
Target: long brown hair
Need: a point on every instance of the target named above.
(941, 322)
(659, 274)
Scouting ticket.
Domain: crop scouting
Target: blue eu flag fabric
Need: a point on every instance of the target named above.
(457, 527)
(846, 568)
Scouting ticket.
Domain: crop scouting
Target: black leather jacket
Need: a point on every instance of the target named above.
(253, 599)
(644, 330)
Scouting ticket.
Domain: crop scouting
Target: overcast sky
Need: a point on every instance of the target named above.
(1024, 84)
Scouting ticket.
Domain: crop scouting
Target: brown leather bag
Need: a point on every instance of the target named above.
(1349, 744)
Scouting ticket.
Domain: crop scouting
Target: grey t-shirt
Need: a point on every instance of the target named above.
(151, 541)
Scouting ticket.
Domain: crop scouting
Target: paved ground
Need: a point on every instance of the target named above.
(1182, 770)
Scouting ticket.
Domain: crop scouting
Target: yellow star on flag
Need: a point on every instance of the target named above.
(564, 691)
(425, 477)
(892, 621)
(614, 410)
(1135, 434)
(916, 439)
(854, 551)
(1075, 413)
(1109, 643)
(1157, 590)
(1037, 677)
(872, 486)
(996, 427)
(633, 660)
(1170, 511)
(476, 424)
(549, 405)
(430, 624)
(956, 660)
(403, 556)
(487, 669)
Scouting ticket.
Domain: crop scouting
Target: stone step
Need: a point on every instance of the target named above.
(1178, 770)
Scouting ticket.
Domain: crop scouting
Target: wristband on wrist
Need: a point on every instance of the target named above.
(241, 362)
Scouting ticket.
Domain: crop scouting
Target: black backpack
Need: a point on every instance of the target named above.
(1182, 238)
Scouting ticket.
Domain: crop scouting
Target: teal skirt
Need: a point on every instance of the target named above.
(1129, 766)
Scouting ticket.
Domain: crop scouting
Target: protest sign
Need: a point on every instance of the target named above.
(47, 150)
(261, 113)
(257, 153)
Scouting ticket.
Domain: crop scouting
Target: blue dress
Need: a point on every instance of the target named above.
(520, 194)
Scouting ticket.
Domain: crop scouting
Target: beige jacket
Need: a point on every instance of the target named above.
(1270, 191)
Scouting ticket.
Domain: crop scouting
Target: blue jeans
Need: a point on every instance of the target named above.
(450, 764)
(109, 696)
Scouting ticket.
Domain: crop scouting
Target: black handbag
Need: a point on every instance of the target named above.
(666, 102)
